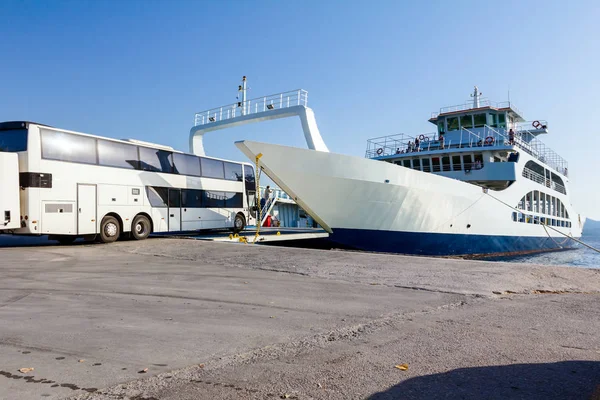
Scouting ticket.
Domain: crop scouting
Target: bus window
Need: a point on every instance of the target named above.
(174, 198)
(113, 154)
(13, 140)
(233, 200)
(233, 172)
(191, 198)
(249, 177)
(213, 199)
(157, 196)
(66, 147)
(212, 168)
(156, 160)
(186, 164)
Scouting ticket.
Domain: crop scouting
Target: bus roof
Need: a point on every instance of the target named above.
(10, 125)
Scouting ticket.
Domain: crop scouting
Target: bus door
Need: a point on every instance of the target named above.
(86, 209)
(174, 210)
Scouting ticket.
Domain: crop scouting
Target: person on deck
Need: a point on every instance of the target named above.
(511, 137)
(266, 196)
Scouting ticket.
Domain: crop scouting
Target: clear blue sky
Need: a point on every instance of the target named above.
(140, 69)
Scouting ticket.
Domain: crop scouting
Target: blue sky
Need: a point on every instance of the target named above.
(141, 69)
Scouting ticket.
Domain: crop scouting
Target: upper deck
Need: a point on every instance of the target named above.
(481, 124)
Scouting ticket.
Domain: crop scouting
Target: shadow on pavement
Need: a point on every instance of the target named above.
(561, 380)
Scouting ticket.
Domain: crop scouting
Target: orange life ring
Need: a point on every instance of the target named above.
(489, 140)
(537, 124)
(379, 151)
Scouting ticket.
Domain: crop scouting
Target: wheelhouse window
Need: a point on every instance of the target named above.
(67, 147)
(156, 160)
(452, 123)
(212, 168)
(492, 120)
(502, 120)
(435, 162)
(466, 121)
(479, 120)
(114, 154)
(13, 140)
(186, 164)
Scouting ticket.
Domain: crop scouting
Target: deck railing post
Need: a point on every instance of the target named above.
(281, 100)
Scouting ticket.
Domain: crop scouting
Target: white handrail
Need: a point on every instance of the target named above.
(296, 97)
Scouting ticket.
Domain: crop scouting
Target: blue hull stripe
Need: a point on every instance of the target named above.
(444, 244)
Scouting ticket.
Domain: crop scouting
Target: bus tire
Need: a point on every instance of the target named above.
(65, 240)
(109, 229)
(140, 227)
(239, 223)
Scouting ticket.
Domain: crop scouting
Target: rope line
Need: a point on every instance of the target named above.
(546, 225)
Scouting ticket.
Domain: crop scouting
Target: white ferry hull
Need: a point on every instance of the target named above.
(377, 206)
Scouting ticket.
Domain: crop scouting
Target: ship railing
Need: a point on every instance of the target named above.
(298, 97)
(468, 105)
(531, 144)
(399, 144)
(539, 178)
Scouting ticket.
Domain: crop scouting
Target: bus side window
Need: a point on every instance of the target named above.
(157, 196)
(156, 160)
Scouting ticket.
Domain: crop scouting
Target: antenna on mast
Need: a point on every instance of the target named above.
(475, 95)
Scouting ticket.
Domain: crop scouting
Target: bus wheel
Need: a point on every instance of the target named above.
(140, 228)
(239, 223)
(65, 239)
(109, 229)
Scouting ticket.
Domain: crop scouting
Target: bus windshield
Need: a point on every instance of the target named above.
(13, 140)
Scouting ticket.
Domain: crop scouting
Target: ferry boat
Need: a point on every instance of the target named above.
(482, 184)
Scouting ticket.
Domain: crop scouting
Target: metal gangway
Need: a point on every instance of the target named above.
(281, 105)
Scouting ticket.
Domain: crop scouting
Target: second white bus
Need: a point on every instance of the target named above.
(67, 185)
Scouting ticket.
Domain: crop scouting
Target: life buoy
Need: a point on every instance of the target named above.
(489, 140)
(421, 137)
(379, 151)
(537, 124)
(426, 139)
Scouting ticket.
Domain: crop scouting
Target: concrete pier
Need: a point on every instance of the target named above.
(187, 319)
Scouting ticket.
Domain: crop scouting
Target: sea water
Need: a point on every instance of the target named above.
(580, 257)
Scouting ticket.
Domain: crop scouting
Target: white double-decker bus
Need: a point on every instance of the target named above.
(67, 184)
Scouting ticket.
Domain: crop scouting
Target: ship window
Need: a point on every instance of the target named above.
(536, 201)
(492, 120)
(406, 163)
(456, 166)
(441, 126)
(466, 121)
(502, 120)
(468, 161)
(446, 163)
(478, 120)
(452, 123)
(426, 165)
(528, 202)
(416, 164)
(435, 161)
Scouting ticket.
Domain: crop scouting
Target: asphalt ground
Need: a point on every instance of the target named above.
(185, 319)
